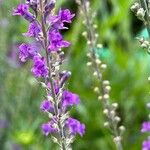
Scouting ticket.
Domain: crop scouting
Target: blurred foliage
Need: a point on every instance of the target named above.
(128, 69)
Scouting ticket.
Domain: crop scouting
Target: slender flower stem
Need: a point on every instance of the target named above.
(63, 141)
(92, 45)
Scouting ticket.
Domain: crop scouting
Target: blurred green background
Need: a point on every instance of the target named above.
(128, 70)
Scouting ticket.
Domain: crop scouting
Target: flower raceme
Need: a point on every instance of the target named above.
(45, 28)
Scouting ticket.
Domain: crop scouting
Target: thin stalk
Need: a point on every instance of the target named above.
(62, 136)
(93, 40)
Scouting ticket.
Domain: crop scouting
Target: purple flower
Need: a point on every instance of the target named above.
(48, 8)
(64, 76)
(34, 30)
(57, 21)
(146, 145)
(56, 41)
(65, 15)
(23, 10)
(145, 127)
(69, 99)
(75, 126)
(46, 106)
(49, 127)
(26, 51)
(39, 69)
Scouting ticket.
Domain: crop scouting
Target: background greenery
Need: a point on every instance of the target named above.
(128, 69)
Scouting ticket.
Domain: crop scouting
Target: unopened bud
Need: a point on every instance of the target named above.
(106, 82)
(96, 35)
(145, 44)
(115, 105)
(98, 61)
(96, 89)
(43, 85)
(112, 113)
(99, 45)
(89, 64)
(106, 96)
(105, 111)
(117, 119)
(106, 124)
(140, 13)
(84, 34)
(117, 139)
(95, 73)
(49, 98)
(135, 7)
(100, 98)
(95, 26)
(89, 55)
(108, 88)
(122, 128)
(103, 66)
(88, 42)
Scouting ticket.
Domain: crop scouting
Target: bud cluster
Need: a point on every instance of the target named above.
(138, 10)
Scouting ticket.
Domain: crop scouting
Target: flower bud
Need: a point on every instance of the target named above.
(96, 90)
(100, 98)
(106, 82)
(112, 113)
(117, 119)
(105, 111)
(108, 88)
(99, 45)
(135, 7)
(89, 64)
(145, 44)
(115, 105)
(103, 66)
(98, 61)
(106, 96)
(117, 139)
(95, 73)
(122, 128)
(84, 34)
(140, 13)
(106, 124)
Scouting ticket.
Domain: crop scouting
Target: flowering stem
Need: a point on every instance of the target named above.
(63, 141)
(93, 57)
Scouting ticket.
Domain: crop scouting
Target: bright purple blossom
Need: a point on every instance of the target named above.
(145, 127)
(57, 21)
(65, 15)
(146, 145)
(49, 127)
(75, 126)
(33, 30)
(23, 10)
(39, 69)
(26, 51)
(56, 41)
(46, 105)
(70, 99)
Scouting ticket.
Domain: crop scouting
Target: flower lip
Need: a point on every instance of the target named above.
(145, 127)
(75, 126)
